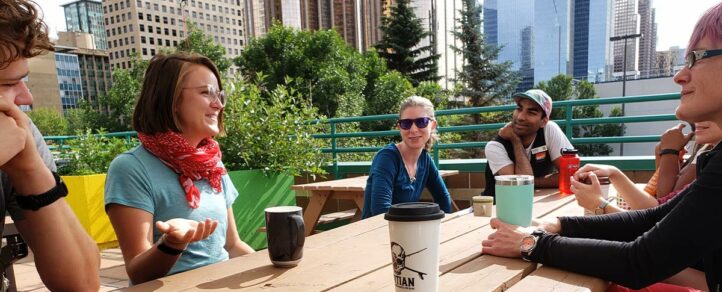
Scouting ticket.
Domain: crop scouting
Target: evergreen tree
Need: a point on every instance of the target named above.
(483, 81)
(402, 33)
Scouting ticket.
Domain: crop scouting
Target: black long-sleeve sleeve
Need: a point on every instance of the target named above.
(679, 234)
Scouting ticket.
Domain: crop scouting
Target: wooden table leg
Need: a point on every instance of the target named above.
(360, 205)
(316, 203)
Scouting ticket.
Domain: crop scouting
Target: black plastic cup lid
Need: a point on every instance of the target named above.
(414, 211)
(569, 151)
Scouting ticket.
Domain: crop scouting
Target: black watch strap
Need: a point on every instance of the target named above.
(167, 249)
(669, 151)
(35, 202)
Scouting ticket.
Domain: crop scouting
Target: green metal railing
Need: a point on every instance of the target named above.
(58, 142)
(567, 123)
(567, 104)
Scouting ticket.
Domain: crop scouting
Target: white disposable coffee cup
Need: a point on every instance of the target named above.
(414, 234)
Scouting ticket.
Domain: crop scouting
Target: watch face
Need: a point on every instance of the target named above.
(598, 211)
(527, 243)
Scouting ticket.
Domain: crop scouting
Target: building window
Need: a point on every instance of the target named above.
(167, 43)
(132, 39)
(142, 27)
(166, 31)
(122, 16)
(112, 20)
(122, 5)
(175, 43)
(164, 9)
(147, 17)
(172, 10)
(109, 44)
(145, 51)
(213, 7)
(142, 39)
(172, 21)
(130, 27)
(125, 29)
(152, 41)
(147, 5)
(206, 5)
(152, 52)
(155, 6)
(139, 3)
(140, 16)
(150, 28)
(165, 20)
(157, 19)
(174, 33)
(194, 14)
(160, 41)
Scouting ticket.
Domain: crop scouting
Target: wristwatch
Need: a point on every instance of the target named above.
(668, 151)
(35, 202)
(600, 209)
(528, 243)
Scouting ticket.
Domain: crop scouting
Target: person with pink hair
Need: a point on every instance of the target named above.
(676, 241)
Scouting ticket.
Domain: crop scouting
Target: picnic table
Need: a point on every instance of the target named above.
(344, 189)
(356, 257)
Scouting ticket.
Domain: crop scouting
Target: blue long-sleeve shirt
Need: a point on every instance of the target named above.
(389, 183)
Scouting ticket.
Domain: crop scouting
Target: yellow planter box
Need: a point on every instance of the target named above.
(85, 197)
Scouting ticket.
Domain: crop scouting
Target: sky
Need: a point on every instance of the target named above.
(675, 19)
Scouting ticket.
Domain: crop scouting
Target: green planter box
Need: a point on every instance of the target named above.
(256, 193)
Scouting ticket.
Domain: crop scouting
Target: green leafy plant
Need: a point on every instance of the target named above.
(270, 131)
(91, 153)
(49, 121)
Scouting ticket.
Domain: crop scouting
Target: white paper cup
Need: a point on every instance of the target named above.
(414, 234)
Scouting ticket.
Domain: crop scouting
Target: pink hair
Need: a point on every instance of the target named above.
(709, 25)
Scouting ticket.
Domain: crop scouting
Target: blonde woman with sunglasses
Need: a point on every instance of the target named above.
(400, 172)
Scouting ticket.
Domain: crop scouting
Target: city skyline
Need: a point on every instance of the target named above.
(675, 21)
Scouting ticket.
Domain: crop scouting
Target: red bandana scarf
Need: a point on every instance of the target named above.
(191, 163)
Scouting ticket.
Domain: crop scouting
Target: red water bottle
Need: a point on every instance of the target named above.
(568, 165)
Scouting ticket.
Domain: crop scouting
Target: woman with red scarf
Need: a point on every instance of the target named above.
(169, 199)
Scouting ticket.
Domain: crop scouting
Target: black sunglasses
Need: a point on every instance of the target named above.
(695, 56)
(420, 123)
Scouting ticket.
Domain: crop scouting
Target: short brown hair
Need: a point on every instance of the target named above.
(22, 33)
(155, 111)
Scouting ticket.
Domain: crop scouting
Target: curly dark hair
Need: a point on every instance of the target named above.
(22, 33)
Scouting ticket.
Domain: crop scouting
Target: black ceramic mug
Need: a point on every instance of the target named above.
(285, 234)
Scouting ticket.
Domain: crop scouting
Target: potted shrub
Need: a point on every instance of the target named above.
(83, 169)
(268, 142)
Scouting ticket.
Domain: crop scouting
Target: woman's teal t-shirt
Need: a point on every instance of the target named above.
(140, 180)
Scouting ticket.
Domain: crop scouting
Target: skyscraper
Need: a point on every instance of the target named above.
(626, 22)
(94, 65)
(86, 16)
(591, 28)
(648, 41)
(545, 38)
(144, 27)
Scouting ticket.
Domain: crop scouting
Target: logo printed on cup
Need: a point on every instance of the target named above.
(398, 256)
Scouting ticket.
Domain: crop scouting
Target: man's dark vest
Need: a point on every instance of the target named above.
(541, 165)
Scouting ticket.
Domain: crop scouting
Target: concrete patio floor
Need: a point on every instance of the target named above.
(112, 273)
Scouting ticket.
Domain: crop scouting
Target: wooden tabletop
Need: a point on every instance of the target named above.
(356, 257)
(350, 184)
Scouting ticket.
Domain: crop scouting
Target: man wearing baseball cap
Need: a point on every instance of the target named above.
(531, 144)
